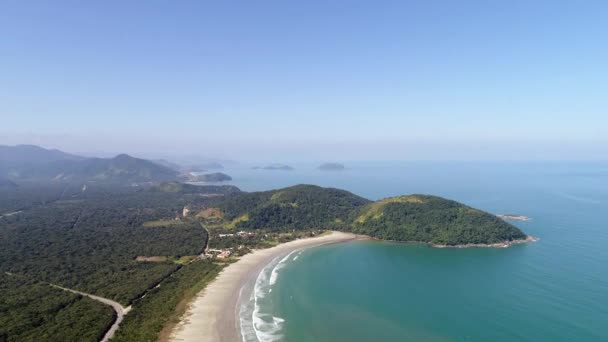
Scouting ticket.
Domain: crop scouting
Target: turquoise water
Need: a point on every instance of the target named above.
(553, 290)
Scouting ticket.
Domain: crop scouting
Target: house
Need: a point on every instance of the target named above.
(224, 254)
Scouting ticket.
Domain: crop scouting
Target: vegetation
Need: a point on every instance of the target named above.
(140, 245)
(90, 241)
(419, 218)
(151, 313)
(299, 207)
(431, 219)
(32, 311)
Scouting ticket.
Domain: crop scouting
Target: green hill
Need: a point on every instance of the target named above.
(300, 206)
(419, 218)
(431, 219)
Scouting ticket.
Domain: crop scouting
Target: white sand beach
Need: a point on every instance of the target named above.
(212, 316)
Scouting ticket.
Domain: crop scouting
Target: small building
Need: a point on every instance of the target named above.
(224, 254)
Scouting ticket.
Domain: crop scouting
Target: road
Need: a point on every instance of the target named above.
(121, 311)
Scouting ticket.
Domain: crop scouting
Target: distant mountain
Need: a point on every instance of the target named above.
(167, 164)
(331, 167)
(274, 167)
(31, 154)
(25, 162)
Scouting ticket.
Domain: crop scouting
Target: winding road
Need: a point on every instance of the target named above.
(121, 311)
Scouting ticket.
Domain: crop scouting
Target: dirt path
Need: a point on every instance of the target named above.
(121, 311)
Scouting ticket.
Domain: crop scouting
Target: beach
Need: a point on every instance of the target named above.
(212, 316)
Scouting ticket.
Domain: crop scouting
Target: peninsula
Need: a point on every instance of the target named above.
(411, 218)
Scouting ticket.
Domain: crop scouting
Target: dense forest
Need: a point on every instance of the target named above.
(420, 218)
(88, 237)
(33, 311)
(92, 247)
(88, 240)
(431, 219)
(299, 207)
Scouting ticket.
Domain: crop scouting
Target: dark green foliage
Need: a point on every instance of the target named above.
(31, 311)
(434, 220)
(90, 244)
(409, 218)
(299, 207)
(152, 312)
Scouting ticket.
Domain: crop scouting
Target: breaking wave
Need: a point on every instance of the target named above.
(258, 325)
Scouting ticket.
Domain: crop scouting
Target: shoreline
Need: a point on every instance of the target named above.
(213, 314)
(502, 244)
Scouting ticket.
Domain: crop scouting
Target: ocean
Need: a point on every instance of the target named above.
(555, 289)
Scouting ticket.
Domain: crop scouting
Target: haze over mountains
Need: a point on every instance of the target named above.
(34, 163)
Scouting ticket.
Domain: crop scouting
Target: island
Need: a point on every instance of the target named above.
(280, 167)
(331, 167)
(513, 217)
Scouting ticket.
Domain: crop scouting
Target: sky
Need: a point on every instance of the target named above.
(308, 80)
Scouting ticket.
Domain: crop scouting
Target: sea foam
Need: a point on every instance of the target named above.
(257, 325)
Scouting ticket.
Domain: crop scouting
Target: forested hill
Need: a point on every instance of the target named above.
(420, 218)
(431, 219)
(300, 206)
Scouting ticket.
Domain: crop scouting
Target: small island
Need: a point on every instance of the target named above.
(280, 167)
(513, 217)
(331, 167)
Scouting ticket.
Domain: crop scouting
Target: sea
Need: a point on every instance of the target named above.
(555, 289)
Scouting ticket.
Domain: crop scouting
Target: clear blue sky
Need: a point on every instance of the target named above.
(308, 79)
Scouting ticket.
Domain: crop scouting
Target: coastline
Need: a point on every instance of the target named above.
(502, 244)
(212, 316)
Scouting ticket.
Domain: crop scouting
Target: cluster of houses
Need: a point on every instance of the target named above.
(219, 253)
(242, 233)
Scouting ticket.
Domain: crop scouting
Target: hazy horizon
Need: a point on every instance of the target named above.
(311, 81)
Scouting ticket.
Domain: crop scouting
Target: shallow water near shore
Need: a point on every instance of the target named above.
(555, 289)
